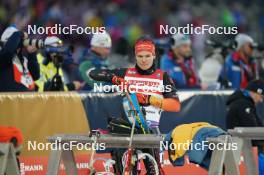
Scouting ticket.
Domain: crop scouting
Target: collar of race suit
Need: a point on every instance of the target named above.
(149, 71)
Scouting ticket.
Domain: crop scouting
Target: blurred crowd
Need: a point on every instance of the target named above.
(188, 60)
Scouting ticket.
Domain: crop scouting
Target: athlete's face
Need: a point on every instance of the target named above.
(145, 59)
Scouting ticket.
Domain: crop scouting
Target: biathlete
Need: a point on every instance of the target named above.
(154, 89)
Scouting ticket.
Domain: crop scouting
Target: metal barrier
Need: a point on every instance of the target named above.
(223, 157)
(8, 161)
(243, 137)
(227, 158)
(111, 141)
(247, 134)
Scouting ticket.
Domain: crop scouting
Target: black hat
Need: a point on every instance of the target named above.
(256, 86)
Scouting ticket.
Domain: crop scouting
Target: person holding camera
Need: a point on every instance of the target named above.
(240, 67)
(179, 64)
(18, 62)
(52, 77)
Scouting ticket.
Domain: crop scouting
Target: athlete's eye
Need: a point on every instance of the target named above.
(147, 56)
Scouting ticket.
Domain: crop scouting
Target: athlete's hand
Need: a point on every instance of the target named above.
(143, 99)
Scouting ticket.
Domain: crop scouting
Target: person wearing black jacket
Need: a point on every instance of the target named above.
(18, 64)
(241, 112)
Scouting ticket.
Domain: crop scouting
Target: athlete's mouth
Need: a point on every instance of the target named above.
(144, 64)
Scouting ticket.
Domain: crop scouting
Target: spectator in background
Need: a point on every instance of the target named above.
(120, 57)
(210, 70)
(95, 57)
(241, 106)
(18, 68)
(240, 68)
(51, 73)
(242, 112)
(179, 64)
(261, 72)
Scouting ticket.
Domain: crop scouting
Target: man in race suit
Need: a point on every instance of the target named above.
(154, 89)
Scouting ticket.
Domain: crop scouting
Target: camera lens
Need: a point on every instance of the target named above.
(38, 43)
